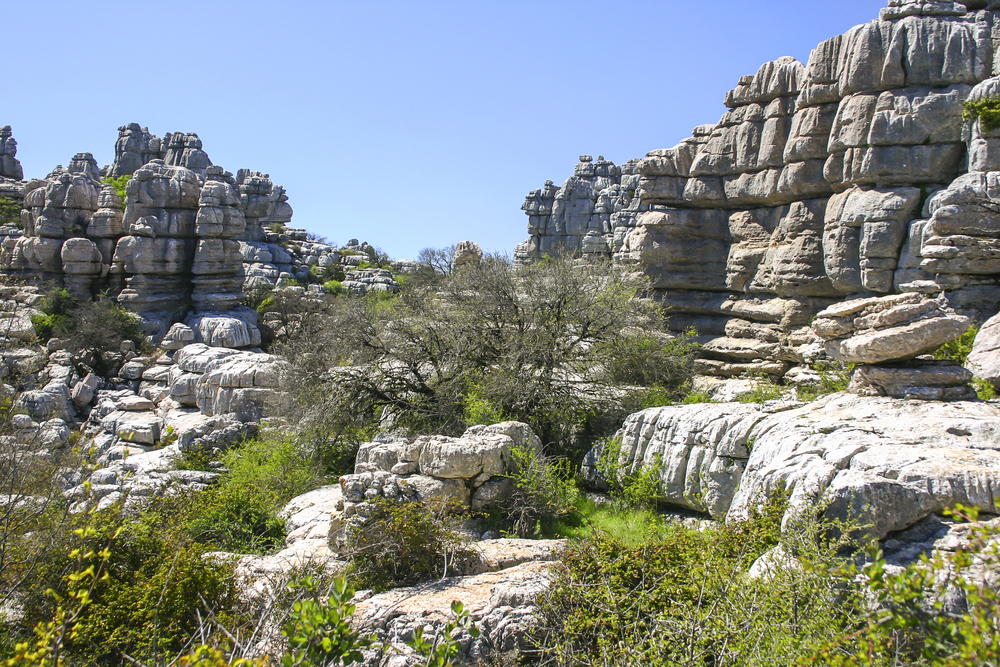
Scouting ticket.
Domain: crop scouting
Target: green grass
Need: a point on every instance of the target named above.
(632, 527)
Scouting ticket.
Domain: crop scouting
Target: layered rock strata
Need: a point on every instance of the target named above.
(10, 167)
(887, 335)
(882, 462)
(854, 175)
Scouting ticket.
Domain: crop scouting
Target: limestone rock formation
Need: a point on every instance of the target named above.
(466, 252)
(135, 147)
(462, 472)
(893, 328)
(852, 176)
(359, 282)
(883, 461)
(984, 359)
(10, 167)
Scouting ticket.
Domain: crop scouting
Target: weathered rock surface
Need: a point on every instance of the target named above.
(893, 328)
(502, 604)
(851, 176)
(10, 166)
(437, 469)
(879, 461)
(466, 252)
(984, 359)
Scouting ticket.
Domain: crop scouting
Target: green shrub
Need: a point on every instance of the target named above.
(647, 360)
(334, 287)
(10, 212)
(697, 397)
(833, 377)
(984, 389)
(119, 184)
(906, 622)
(987, 111)
(638, 489)
(240, 512)
(764, 389)
(683, 598)
(319, 631)
(545, 492)
(957, 350)
(99, 327)
(400, 544)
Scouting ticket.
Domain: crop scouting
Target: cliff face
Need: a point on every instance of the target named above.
(854, 175)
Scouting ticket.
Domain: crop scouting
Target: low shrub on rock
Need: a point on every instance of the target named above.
(400, 544)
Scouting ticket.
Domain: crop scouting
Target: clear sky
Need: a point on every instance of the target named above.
(406, 124)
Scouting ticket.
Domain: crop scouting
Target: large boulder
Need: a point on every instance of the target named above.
(984, 360)
(882, 463)
(892, 328)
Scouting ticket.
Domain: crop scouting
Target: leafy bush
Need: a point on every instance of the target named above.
(638, 489)
(908, 622)
(239, 513)
(957, 350)
(987, 111)
(119, 184)
(833, 377)
(697, 397)
(334, 287)
(984, 389)
(528, 343)
(400, 544)
(56, 306)
(319, 632)
(683, 598)
(10, 212)
(646, 360)
(764, 389)
(544, 492)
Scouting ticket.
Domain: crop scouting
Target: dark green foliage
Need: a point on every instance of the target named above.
(10, 212)
(648, 360)
(958, 350)
(157, 582)
(56, 307)
(240, 512)
(119, 185)
(400, 544)
(319, 631)
(682, 597)
(488, 342)
(544, 493)
(987, 111)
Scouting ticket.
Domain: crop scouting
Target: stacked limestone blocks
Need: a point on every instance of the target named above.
(135, 147)
(597, 200)
(807, 190)
(10, 167)
(466, 253)
(218, 264)
(886, 335)
(457, 472)
(56, 208)
(263, 203)
(157, 254)
(957, 250)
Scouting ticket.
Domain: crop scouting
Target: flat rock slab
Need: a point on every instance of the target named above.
(880, 461)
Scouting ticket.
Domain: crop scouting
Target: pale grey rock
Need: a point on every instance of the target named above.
(178, 337)
(501, 604)
(240, 385)
(984, 359)
(235, 329)
(466, 252)
(185, 150)
(10, 166)
(880, 461)
(135, 147)
(358, 282)
(892, 328)
(927, 380)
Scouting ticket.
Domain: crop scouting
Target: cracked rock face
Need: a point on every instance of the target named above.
(894, 328)
(10, 167)
(879, 461)
(849, 176)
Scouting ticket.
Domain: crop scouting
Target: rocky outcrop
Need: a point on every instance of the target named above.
(896, 330)
(881, 462)
(135, 147)
(984, 359)
(591, 212)
(359, 282)
(855, 175)
(10, 167)
(466, 252)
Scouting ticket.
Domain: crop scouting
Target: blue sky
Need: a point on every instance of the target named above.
(406, 124)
